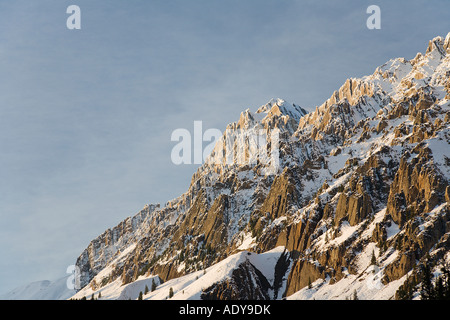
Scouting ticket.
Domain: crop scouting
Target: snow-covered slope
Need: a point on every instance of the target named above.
(191, 286)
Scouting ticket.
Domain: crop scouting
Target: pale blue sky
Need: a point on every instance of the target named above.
(86, 115)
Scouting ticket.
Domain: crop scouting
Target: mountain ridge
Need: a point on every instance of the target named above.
(364, 174)
(364, 155)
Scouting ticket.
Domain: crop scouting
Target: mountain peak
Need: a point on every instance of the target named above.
(447, 43)
(276, 109)
(281, 107)
(439, 44)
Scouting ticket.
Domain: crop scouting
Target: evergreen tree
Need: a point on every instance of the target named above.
(427, 291)
(153, 285)
(446, 282)
(146, 289)
(170, 292)
(383, 247)
(181, 256)
(439, 289)
(406, 291)
(140, 295)
(355, 295)
(373, 260)
(99, 295)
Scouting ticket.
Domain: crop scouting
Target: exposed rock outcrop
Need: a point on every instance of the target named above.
(246, 283)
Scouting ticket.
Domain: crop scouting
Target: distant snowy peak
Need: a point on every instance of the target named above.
(41, 290)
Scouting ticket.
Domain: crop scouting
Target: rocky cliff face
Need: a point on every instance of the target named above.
(369, 168)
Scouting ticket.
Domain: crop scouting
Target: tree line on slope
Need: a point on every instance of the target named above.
(428, 286)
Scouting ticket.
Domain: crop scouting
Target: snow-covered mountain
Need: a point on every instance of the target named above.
(41, 290)
(350, 199)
